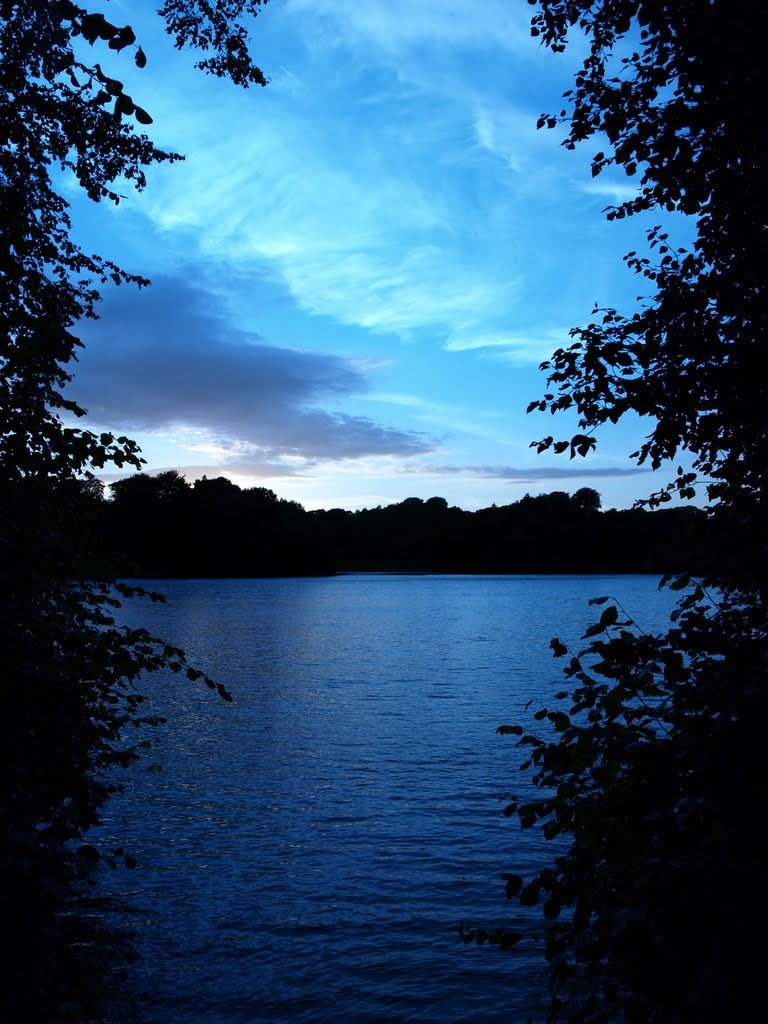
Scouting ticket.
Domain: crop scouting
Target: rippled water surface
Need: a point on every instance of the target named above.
(308, 852)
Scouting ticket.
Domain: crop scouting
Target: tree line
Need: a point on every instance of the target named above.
(162, 526)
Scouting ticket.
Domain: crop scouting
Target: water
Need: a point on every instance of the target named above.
(307, 853)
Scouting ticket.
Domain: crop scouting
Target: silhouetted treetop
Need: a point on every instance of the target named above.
(674, 89)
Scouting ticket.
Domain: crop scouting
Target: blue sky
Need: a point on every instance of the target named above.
(357, 270)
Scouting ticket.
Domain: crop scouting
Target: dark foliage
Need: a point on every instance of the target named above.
(649, 773)
(68, 680)
(161, 526)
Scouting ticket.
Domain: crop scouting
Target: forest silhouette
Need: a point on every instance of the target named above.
(162, 526)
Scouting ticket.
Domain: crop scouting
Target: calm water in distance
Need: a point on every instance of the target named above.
(308, 852)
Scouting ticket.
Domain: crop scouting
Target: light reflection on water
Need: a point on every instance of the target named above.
(308, 852)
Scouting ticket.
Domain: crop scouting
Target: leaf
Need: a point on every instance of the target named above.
(514, 882)
(140, 58)
(509, 939)
(125, 37)
(559, 720)
(552, 908)
(529, 895)
(123, 105)
(95, 26)
(558, 648)
(88, 852)
(608, 618)
(680, 583)
(142, 116)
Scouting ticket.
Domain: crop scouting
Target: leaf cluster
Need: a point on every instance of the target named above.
(647, 776)
(649, 779)
(670, 90)
(69, 681)
(219, 28)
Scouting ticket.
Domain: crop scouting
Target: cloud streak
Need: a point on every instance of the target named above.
(533, 347)
(352, 233)
(395, 26)
(535, 473)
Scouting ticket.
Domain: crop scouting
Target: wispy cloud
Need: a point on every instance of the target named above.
(512, 347)
(359, 191)
(392, 26)
(615, 191)
(576, 471)
(510, 134)
(353, 235)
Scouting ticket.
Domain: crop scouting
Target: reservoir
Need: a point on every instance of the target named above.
(308, 853)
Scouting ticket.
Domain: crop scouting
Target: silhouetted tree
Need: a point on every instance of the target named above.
(587, 500)
(651, 777)
(69, 671)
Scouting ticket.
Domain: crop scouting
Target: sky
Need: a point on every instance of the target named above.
(358, 269)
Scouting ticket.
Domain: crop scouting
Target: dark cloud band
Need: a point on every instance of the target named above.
(168, 358)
